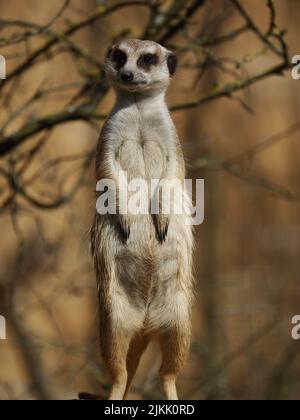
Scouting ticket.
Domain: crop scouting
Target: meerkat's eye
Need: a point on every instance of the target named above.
(120, 58)
(148, 59)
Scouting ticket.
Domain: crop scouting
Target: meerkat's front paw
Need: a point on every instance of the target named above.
(125, 232)
(162, 227)
(124, 229)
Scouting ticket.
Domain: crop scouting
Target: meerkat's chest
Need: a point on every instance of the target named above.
(143, 143)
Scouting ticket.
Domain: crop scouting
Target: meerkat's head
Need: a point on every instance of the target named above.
(140, 66)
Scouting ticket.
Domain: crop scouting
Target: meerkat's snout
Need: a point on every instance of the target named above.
(138, 66)
(127, 76)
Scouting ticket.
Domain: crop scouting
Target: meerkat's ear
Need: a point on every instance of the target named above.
(172, 62)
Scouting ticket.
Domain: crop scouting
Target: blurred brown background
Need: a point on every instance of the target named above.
(248, 249)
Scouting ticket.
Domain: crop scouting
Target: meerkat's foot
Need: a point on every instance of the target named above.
(85, 396)
(169, 387)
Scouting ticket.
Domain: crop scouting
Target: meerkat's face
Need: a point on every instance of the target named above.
(140, 66)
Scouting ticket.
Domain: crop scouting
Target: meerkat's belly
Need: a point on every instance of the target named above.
(156, 282)
(150, 272)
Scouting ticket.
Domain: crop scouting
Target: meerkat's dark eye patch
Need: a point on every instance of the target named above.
(147, 60)
(120, 58)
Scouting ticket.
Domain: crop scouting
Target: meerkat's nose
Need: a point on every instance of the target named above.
(127, 76)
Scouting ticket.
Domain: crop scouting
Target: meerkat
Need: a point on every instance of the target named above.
(143, 263)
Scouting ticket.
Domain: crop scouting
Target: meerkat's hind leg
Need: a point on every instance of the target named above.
(114, 346)
(137, 347)
(174, 347)
(117, 368)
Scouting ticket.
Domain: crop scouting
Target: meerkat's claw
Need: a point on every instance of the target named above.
(162, 233)
(161, 223)
(125, 232)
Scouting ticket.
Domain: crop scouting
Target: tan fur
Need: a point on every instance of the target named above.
(145, 285)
